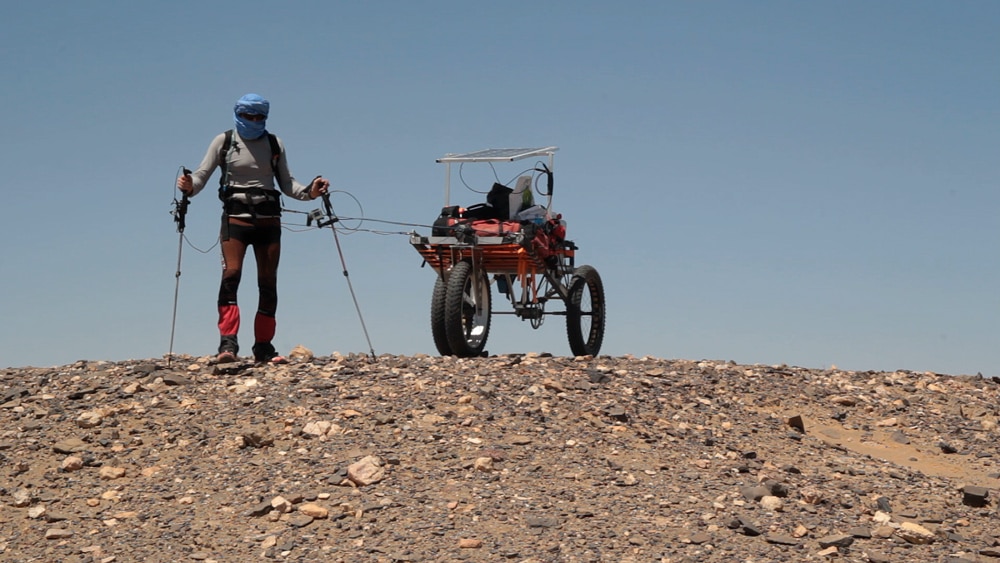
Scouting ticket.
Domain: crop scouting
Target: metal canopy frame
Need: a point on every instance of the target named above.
(492, 155)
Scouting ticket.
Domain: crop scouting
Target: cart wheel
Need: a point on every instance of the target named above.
(467, 310)
(437, 317)
(585, 312)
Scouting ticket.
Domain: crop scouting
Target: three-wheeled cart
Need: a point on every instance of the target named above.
(525, 254)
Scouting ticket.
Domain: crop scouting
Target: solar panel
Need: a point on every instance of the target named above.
(498, 155)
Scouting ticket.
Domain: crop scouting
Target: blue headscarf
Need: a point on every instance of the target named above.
(254, 104)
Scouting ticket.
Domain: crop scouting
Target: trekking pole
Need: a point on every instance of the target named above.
(179, 212)
(331, 221)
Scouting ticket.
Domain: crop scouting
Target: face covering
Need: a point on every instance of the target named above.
(254, 104)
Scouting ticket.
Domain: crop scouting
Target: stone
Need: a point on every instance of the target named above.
(975, 496)
(747, 528)
(947, 448)
(261, 509)
(541, 521)
(300, 520)
(779, 539)
(111, 473)
(281, 504)
(317, 428)
(71, 463)
(314, 510)
(771, 503)
(366, 471)
(174, 379)
(844, 401)
(69, 446)
(699, 538)
(58, 534)
(836, 540)
(300, 352)
(915, 533)
(89, 419)
(754, 493)
(884, 532)
(797, 423)
(812, 496)
(860, 532)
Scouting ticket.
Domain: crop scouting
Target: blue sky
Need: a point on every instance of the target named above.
(810, 183)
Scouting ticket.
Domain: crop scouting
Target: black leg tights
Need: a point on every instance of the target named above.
(266, 242)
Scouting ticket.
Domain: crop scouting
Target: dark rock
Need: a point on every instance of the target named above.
(860, 532)
(781, 539)
(174, 379)
(797, 423)
(836, 540)
(975, 496)
(754, 493)
(69, 446)
(300, 520)
(541, 521)
(776, 488)
(260, 510)
(748, 528)
(699, 538)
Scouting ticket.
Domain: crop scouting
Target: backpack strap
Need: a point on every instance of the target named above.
(227, 144)
(272, 140)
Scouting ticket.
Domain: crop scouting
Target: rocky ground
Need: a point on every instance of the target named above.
(527, 458)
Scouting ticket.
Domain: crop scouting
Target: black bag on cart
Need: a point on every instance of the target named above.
(445, 221)
(497, 207)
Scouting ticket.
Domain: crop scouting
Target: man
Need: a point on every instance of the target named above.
(252, 161)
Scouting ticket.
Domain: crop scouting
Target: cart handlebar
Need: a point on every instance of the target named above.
(550, 178)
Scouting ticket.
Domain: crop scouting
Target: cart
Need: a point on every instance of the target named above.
(528, 260)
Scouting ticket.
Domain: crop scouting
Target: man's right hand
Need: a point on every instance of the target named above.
(185, 184)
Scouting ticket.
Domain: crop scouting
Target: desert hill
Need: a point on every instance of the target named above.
(524, 458)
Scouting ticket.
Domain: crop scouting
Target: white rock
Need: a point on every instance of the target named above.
(71, 463)
(915, 533)
(58, 534)
(89, 419)
(314, 510)
(366, 471)
(281, 504)
(772, 503)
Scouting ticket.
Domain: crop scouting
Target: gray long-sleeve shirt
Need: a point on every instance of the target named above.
(249, 167)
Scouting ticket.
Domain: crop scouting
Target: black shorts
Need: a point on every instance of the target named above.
(251, 235)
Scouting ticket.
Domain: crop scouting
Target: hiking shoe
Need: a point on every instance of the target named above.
(228, 350)
(264, 353)
(226, 357)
